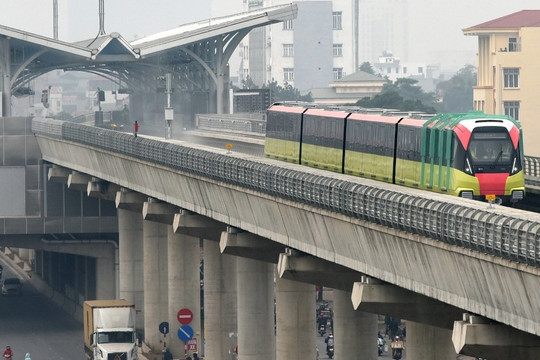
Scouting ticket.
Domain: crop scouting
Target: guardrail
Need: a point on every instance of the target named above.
(498, 234)
(247, 123)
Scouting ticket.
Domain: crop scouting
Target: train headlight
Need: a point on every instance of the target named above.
(515, 168)
(468, 167)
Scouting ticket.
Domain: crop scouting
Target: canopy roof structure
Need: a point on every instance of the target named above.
(196, 54)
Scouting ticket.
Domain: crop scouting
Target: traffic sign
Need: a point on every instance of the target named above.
(185, 333)
(164, 328)
(192, 345)
(184, 316)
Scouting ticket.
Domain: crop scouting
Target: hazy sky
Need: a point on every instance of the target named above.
(435, 33)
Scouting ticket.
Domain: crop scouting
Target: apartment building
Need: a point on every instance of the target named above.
(508, 72)
(328, 40)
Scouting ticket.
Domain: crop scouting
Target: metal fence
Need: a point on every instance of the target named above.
(495, 233)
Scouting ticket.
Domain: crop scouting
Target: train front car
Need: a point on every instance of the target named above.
(491, 151)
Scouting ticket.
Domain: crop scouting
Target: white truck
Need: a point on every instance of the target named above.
(109, 330)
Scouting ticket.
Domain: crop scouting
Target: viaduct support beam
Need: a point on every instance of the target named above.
(202, 227)
(184, 287)
(403, 304)
(155, 282)
(220, 302)
(297, 266)
(353, 330)
(428, 342)
(159, 211)
(131, 283)
(295, 319)
(248, 245)
(102, 189)
(256, 340)
(130, 200)
(58, 174)
(476, 337)
(78, 181)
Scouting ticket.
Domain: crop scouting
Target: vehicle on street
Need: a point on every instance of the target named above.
(109, 330)
(11, 286)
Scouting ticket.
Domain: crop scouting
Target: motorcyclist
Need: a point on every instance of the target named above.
(329, 341)
(8, 353)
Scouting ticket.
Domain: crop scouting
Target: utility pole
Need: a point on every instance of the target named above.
(101, 17)
(55, 19)
(169, 112)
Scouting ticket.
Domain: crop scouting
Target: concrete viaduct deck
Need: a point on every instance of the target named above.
(433, 257)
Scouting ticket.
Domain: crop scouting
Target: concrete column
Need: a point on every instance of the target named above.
(184, 287)
(155, 282)
(131, 287)
(355, 332)
(105, 277)
(255, 279)
(296, 324)
(220, 309)
(428, 342)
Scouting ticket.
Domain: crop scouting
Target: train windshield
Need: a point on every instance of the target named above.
(491, 148)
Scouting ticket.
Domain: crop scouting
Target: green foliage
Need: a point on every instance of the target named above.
(404, 95)
(366, 67)
(457, 93)
(62, 116)
(278, 92)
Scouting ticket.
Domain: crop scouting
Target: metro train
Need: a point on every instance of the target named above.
(472, 155)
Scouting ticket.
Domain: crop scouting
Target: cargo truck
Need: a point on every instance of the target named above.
(109, 330)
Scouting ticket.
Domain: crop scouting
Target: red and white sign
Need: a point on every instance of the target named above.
(184, 316)
(192, 344)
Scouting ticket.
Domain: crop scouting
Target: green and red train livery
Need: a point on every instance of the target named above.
(472, 155)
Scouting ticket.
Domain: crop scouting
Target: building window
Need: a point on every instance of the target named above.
(404, 69)
(246, 52)
(511, 108)
(288, 50)
(288, 74)
(338, 73)
(287, 25)
(336, 15)
(512, 44)
(420, 70)
(338, 50)
(511, 77)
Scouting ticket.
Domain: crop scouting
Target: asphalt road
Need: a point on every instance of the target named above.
(32, 323)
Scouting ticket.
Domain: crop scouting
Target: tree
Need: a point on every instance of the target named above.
(457, 93)
(366, 67)
(404, 95)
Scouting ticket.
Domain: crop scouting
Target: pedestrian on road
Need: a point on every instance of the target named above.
(167, 354)
(136, 128)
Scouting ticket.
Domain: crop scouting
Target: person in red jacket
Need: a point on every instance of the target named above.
(8, 353)
(136, 128)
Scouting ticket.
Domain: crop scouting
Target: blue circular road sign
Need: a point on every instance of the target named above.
(164, 327)
(185, 333)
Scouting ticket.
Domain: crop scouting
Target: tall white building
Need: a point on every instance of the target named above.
(327, 41)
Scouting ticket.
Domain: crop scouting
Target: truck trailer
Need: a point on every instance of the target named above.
(109, 330)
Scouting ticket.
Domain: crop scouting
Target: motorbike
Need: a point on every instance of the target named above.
(379, 347)
(398, 353)
(330, 351)
(7, 357)
(322, 329)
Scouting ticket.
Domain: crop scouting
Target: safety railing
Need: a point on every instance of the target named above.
(493, 232)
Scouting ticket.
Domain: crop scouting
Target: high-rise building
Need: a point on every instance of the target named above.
(327, 41)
